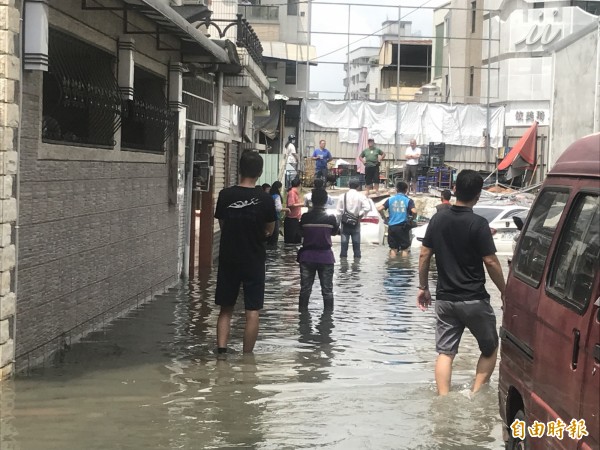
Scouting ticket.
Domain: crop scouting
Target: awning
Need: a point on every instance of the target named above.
(167, 18)
(269, 125)
(289, 52)
(522, 155)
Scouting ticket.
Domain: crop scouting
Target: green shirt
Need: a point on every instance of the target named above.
(371, 156)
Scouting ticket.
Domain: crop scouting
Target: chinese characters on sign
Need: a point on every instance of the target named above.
(556, 428)
(530, 116)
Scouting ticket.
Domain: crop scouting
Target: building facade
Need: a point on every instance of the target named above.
(457, 70)
(117, 116)
(360, 72)
(376, 77)
(10, 75)
(525, 34)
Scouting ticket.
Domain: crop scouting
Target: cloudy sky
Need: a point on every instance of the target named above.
(332, 49)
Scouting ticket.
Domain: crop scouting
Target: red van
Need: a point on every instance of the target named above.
(549, 386)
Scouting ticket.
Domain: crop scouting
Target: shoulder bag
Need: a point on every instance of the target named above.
(347, 217)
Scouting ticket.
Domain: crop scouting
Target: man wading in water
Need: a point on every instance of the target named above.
(246, 218)
(462, 244)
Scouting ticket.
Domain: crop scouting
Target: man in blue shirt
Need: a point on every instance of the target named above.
(400, 208)
(322, 157)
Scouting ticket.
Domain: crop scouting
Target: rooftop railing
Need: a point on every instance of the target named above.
(259, 12)
(246, 37)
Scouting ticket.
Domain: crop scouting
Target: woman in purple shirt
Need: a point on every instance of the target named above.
(316, 255)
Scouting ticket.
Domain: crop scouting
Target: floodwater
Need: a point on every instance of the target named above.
(358, 378)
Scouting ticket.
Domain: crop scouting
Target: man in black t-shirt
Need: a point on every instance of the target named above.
(246, 217)
(462, 244)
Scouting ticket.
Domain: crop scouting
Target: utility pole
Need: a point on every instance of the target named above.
(304, 147)
(398, 118)
(348, 57)
(488, 145)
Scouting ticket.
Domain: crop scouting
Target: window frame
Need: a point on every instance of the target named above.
(473, 16)
(143, 103)
(62, 47)
(471, 81)
(551, 188)
(554, 294)
(288, 75)
(292, 7)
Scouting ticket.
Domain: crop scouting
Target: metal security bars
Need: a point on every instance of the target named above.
(147, 120)
(81, 101)
(198, 96)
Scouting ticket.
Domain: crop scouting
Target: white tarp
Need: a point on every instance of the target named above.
(426, 122)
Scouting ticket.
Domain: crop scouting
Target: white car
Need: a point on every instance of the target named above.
(501, 223)
(372, 227)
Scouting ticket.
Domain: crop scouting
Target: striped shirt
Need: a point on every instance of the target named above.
(317, 228)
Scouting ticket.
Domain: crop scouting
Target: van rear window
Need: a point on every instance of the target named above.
(576, 259)
(530, 255)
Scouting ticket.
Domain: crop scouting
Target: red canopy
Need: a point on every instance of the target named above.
(525, 148)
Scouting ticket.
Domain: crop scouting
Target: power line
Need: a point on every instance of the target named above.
(367, 36)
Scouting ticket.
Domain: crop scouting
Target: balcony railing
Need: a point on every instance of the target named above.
(259, 12)
(246, 37)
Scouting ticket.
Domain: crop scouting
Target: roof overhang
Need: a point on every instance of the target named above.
(170, 20)
(283, 51)
(232, 67)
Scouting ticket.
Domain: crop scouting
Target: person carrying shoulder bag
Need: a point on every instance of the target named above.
(350, 208)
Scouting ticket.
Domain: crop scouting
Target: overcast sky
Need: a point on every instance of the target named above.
(363, 19)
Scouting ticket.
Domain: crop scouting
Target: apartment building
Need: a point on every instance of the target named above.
(362, 60)
(283, 30)
(457, 71)
(373, 73)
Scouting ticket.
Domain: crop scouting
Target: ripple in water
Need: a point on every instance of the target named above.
(360, 377)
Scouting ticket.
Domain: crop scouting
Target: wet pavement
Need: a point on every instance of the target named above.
(358, 378)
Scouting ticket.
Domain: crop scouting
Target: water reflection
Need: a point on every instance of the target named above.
(358, 377)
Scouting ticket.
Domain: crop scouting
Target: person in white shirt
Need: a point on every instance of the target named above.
(357, 204)
(413, 153)
(319, 184)
(291, 159)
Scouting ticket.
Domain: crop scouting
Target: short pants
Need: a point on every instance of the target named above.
(452, 318)
(371, 175)
(250, 276)
(399, 237)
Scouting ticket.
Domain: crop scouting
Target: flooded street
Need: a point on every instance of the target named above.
(358, 378)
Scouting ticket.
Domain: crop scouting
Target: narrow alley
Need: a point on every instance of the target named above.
(361, 377)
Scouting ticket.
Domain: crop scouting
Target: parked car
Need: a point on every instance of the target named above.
(500, 218)
(372, 227)
(550, 335)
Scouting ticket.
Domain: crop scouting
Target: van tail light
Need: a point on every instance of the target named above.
(493, 230)
(374, 220)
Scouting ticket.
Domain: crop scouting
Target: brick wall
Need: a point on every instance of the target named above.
(9, 122)
(96, 237)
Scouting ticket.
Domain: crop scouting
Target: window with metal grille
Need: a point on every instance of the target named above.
(147, 120)
(198, 97)
(81, 102)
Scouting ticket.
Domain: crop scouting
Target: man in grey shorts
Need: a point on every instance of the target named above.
(462, 244)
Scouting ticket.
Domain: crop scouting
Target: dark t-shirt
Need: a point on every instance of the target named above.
(459, 239)
(244, 212)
